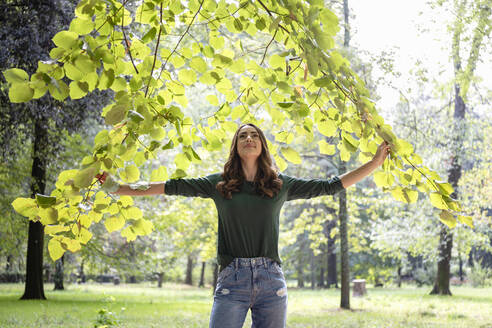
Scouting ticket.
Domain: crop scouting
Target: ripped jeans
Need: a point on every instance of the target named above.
(250, 283)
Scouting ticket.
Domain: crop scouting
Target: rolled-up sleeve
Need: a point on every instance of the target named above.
(309, 188)
(192, 187)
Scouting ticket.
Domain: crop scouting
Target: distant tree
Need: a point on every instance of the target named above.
(27, 29)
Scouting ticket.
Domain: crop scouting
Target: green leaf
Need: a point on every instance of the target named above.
(81, 26)
(106, 80)
(78, 89)
(15, 75)
(115, 114)
(55, 249)
(59, 90)
(128, 234)
(135, 116)
(291, 155)
(71, 244)
(65, 39)
(20, 92)
(48, 216)
(327, 128)
(437, 201)
(26, 207)
(405, 195)
(403, 147)
(383, 179)
(282, 165)
(277, 61)
(150, 35)
(143, 227)
(84, 177)
(445, 188)
(213, 100)
(468, 220)
(130, 174)
(54, 229)
(324, 40)
(45, 201)
(114, 223)
(187, 77)
(216, 42)
(72, 72)
(326, 148)
(285, 137)
(182, 162)
(83, 236)
(322, 82)
(198, 64)
(447, 218)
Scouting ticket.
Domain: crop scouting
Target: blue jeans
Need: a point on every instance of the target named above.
(250, 283)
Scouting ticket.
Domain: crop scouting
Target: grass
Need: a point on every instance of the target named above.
(182, 306)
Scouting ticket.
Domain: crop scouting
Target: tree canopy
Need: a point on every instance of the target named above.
(262, 61)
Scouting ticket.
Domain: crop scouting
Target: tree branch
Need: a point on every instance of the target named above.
(268, 45)
(155, 54)
(127, 45)
(180, 39)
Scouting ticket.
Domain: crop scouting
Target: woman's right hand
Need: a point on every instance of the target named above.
(102, 177)
(108, 184)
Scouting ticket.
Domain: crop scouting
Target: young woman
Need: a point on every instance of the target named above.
(249, 195)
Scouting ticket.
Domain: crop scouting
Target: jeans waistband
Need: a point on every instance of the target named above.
(252, 261)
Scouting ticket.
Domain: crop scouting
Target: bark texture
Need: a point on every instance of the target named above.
(34, 288)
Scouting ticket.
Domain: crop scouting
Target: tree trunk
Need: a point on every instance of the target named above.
(58, 278)
(345, 272)
(8, 265)
(399, 276)
(441, 286)
(342, 216)
(34, 288)
(332, 278)
(160, 276)
(81, 273)
(461, 266)
(189, 271)
(300, 266)
(321, 281)
(313, 271)
(202, 276)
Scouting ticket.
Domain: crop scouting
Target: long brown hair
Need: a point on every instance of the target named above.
(267, 181)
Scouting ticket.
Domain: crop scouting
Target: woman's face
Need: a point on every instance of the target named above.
(248, 143)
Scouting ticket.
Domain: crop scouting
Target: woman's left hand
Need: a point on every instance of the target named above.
(381, 153)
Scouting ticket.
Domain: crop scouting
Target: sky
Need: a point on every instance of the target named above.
(412, 31)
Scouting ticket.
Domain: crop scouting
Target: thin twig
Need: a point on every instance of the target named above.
(271, 15)
(122, 6)
(155, 53)
(127, 44)
(180, 39)
(268, 45)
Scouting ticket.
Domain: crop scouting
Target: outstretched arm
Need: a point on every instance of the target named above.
(155, 188)
(361, 172)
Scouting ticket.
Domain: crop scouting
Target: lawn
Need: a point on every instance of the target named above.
(182, 306)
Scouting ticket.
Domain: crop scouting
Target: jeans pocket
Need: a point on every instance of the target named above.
(224, 274)
(275, 268)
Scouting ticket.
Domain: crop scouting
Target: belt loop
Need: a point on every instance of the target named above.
(236, 263)
(265, 262)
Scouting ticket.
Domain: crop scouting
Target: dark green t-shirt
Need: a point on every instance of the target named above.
(249, 223)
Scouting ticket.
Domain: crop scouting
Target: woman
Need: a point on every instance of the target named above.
(249, 195)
